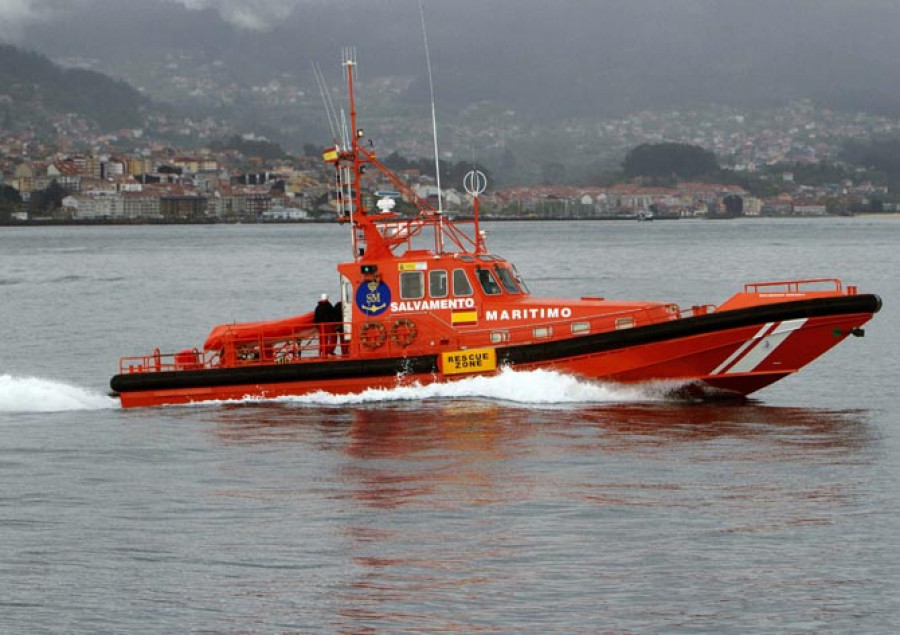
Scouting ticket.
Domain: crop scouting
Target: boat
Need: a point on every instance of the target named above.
(423, 299)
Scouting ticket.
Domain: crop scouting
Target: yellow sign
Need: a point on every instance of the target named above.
(412, 266)
(476, 360)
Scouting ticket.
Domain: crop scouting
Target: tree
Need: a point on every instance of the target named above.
(10, 201)
(553, 173)
(262, 148)
(313, 150)
(47, 200)
(663, 160)
(882, 156)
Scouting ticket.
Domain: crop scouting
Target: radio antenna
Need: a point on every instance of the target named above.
(437, 165)
(330, 111)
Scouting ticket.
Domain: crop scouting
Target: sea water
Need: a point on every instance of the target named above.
(527, 502)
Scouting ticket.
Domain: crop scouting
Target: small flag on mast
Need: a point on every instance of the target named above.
(330, 155)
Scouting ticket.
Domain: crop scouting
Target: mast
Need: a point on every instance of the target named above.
(379, 234)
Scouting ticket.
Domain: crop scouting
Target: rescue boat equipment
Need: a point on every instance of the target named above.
(403, 332)
(373, 335)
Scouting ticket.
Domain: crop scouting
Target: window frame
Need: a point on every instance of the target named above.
(507, 280)
(410, 275)
(496, 289)
(465, 276)
(431, 274)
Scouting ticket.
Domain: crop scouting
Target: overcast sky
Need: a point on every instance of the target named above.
(576, 56)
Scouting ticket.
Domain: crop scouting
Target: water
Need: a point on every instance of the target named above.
(526, 503)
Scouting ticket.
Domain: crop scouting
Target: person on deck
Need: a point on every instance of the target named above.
(341, 347)
(324, 318)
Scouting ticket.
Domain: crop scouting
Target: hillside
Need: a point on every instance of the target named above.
(35, 92)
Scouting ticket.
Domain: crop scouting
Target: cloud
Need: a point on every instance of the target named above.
(253, 15)
(15, 15)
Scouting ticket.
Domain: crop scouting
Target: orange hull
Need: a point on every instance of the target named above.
(734, 353)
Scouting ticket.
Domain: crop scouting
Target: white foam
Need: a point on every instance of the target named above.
(531, 388)
(33, 394)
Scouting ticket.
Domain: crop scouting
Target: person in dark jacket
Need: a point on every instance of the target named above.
(323, 316)
(341, 347)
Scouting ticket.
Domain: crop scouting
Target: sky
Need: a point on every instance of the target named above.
(566, 56)
(254, 15)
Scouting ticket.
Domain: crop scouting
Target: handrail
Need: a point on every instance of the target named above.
(793, 286)
(302, 345)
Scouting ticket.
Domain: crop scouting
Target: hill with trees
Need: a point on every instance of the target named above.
(666, 160)
(34, 91)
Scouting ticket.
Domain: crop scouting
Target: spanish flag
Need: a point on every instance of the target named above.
(330, 155)
(462, 318)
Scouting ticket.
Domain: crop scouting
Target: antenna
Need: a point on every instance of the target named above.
(475, 183)
(437, 165)
(330, 111)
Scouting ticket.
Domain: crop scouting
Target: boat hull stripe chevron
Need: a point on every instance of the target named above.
(765, 347)
(740, 351)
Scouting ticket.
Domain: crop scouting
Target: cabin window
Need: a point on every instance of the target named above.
(624, 323)
(542, 332)
(521, 282)
(486, 257)
(498, 337)
(466, 258)
(506, 279)
(581, 327)
(487, 281)
(437, 283)
(461, 284)
(412, 285)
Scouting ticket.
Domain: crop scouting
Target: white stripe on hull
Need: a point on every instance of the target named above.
(757, 349)
(742, 348)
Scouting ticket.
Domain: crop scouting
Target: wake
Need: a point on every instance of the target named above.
(33, 394)
(539, 388)
(528, 388)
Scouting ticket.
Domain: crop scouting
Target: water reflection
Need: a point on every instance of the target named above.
(449, 503)
(786, 429)
(438, 439)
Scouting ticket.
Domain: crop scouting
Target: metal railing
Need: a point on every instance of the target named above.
(810, 285)
(394, 338)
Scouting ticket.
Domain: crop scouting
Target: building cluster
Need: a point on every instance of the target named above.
(684, 200)
(127, 177)
(168, 187)
(744, 140)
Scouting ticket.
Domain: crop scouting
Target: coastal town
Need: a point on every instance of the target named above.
(84, 176)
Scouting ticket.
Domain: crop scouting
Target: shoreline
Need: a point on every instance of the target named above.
(484, 219)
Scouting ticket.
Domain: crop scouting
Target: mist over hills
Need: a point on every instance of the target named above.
(552, 60)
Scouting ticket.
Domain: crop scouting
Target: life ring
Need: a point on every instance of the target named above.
(289, 353)
(372, 335)
(403, 332)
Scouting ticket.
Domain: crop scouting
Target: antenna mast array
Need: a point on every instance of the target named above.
(378, 234)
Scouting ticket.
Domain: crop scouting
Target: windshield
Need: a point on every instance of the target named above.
(487, 281)
(506, 279)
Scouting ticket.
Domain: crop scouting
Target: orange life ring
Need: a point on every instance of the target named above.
(372, 335)
(403, 332)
